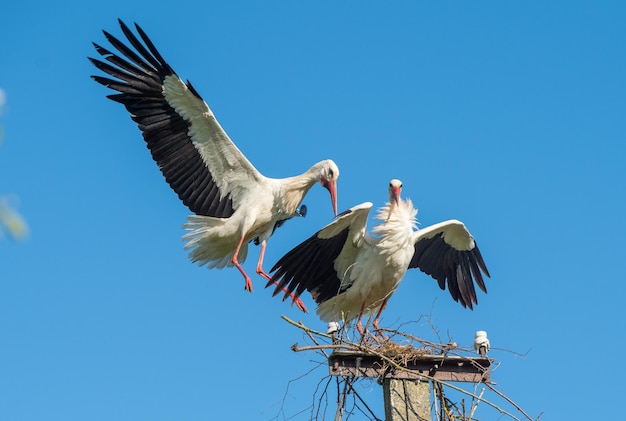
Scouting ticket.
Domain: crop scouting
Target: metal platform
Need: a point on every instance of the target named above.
(423, 367)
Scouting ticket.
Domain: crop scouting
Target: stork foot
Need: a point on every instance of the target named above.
(294, 300)
(299, 303)
(235, 262)
(381, 334)
(379, 331)
(248, 286)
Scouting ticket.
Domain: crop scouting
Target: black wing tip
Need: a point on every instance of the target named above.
(271, 282)
(99, 79)
(148, 59)
(123, 25)
(465, 301)
(193, 90)
(100, 49)
(479, 259)
(108, 35)
(455, 270)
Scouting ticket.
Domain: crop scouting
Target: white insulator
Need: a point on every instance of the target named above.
(481, 341)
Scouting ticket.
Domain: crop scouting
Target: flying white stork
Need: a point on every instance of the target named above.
(233, 203)
(351, 273)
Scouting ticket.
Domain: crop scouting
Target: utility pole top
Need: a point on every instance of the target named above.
(423, 367)
(406, 378)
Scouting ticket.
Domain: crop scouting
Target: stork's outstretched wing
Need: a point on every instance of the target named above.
(196, 156)
(448, 252)
(317, 263)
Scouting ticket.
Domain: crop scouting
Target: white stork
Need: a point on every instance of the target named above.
(233, 203)
(351, 273)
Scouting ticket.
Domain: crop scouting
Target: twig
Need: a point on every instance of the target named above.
(362, 401)
(506, 398)
(475, 405)
(341, 401)
(296, 348)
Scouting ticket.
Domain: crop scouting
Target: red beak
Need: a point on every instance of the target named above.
(395, 194)
(331, 186)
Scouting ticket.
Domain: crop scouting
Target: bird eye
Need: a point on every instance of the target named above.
(331, 173)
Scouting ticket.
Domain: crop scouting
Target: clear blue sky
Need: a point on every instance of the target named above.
(507, 116)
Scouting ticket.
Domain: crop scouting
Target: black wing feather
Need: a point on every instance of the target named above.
(456, 269)
(310, 266)
(139, 77)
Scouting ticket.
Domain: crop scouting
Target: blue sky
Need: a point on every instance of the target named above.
(507, 116)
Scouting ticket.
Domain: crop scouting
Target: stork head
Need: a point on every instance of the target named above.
(395, 188)
(329, 174)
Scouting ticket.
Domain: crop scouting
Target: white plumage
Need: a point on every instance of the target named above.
(233, 203)
(351, 273)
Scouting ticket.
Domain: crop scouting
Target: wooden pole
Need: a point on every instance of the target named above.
(406, 400)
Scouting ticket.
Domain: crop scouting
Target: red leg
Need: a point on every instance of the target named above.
(382, 307)
(359, 326)
(238, 266)
(260, 271)
(375, 322)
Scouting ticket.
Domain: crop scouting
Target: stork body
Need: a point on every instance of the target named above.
(351, 273)
(232, 202)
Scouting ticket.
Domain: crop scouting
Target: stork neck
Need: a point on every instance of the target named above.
(294, 189)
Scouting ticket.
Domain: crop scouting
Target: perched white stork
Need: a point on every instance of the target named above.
(351, 273)
(233, 203)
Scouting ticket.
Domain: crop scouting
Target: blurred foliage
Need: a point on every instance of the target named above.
(11, 222)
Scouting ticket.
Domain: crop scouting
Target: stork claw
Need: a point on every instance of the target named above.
(298, 303)
(294, 300)
(248, 286)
